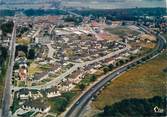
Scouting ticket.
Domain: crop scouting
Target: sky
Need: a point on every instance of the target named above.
(103, 4)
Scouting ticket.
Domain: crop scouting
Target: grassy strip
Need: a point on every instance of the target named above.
(15, 104)
(2, 78)
(28, 114)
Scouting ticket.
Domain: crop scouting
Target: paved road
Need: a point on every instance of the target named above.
(51, 50)
(7, 89)
(36, 33)
(49, 45)
(52, 29)
(77, 107)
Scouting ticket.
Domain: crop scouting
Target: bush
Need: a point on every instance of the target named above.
(81, 86)
(106, 69)
(7, 27)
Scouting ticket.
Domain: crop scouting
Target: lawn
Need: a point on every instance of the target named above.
(59, 104)
(34, 68)
(23, 41)
(21, 83)
(145, 81)
(45, 67)
(37, 68)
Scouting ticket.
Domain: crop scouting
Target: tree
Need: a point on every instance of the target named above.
(105, 69)
(4, 52)
(121, 62)
(7, 27)
(135, 107)
(110, 67)
(92, 78)
(107, 110)
(23, 48)
(131, 58)
(81, 86)
(31, 54)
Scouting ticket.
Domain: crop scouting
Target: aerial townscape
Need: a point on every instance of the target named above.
(76, 58)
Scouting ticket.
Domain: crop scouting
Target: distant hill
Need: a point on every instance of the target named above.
(27, 1)
(114, 4)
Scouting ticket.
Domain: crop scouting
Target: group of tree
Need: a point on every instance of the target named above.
(71, 18)
(155, 106)
(120, 62)
(42, 12)
(108, 68)
(89, 78)
(7, 27)
(29, 53)
(21, 30)
(122, 14)
(5, 12)
(3, 61)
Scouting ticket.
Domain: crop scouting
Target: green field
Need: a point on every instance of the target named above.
(121, 31)
(145, 81)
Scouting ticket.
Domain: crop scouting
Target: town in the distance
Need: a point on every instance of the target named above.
(69, 61)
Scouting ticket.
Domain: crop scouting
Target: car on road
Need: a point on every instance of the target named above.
(77, 102)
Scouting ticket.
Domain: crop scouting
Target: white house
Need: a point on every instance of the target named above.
(52, 92)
